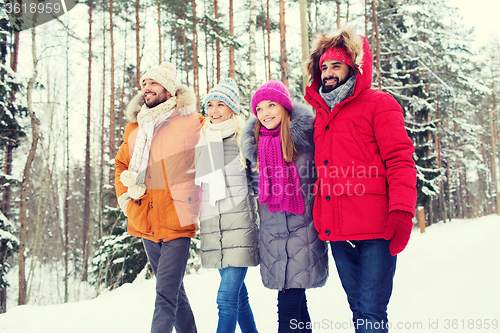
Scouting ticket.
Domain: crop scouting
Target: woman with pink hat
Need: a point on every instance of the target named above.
(278, 142)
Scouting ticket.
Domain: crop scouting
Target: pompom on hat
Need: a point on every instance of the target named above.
(338, 53)
(226, 91)
(164, 75)
(274, 91)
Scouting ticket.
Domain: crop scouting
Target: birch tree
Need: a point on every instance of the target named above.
(23, 211)
(252, 47)
(283, 51)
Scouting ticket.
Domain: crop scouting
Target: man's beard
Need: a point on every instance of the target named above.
(153, 101)
(328, 88)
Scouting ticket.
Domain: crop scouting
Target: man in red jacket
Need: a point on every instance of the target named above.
(366, 187)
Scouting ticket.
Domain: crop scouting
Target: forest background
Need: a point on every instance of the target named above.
(65, 84)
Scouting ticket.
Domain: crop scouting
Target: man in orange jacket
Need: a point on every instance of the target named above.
(155, 187)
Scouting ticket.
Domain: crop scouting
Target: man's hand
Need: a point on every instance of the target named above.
(398, 229)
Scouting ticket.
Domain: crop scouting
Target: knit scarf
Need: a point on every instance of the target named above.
(210, 165)
(148, 119)
(338, 94)
(279, 183)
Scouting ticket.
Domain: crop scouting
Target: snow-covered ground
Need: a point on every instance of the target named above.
(447, 280)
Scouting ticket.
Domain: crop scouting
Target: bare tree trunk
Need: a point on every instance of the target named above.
(196, 79)
(442, 205)
(186, 65)
(486, 162)
(232, 65)
(253, 47)
(264, 45)
(86, 206)
(494, 157)
(159, 33)
(366, 19)
(217, 42)
(421, 219)
(112, 115)
(347, 12)
(316, 15)
(122, 95)
(451, 199)
(23, 213)
(268, 27)
(338, 13)
(102, 150)
(494, 160)
(304, 32)
(137, 44)
(103, 112)
(283, 58)
(66, 197)
(214, 65)
(375, 26)
(207, 74)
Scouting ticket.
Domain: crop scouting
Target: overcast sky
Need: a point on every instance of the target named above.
(483, 14)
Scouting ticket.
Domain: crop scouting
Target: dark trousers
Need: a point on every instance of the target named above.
(366, 269)
(172, 308)
(293, 316)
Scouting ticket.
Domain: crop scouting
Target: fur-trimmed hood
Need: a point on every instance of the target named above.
(186, 103)
(356, 45)
(301, 127)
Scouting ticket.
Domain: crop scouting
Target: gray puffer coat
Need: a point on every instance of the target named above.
(291, 254)
(229, 231)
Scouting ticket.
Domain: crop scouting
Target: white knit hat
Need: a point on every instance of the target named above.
(164, 75)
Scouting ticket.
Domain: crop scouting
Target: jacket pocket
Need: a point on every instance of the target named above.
(186, 204)
(137, 215)
(366, 209)
(361, 144)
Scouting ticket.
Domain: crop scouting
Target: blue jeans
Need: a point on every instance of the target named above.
(232, 302)
(293, 316)
(366, 269)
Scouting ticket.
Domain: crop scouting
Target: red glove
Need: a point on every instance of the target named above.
(398, 229)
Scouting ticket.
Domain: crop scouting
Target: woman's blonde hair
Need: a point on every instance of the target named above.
(288, 147)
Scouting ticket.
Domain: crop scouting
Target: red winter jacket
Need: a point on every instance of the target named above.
(363, 154)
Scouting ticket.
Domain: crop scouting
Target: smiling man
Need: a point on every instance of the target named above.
(366, 215)
(157, 192)
(154, 93)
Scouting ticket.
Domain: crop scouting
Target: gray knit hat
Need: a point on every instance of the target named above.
(227, 92)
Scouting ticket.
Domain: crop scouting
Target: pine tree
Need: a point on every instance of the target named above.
(8, 246)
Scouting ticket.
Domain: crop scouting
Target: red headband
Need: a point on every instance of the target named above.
(338, 53)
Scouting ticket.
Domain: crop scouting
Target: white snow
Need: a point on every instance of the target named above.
(446, 277)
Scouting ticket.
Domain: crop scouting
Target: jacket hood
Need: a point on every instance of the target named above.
(186, 103)
(356, 45)
(301, 128)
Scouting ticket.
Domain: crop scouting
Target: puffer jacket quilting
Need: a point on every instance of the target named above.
(291, 254)
(229, 231)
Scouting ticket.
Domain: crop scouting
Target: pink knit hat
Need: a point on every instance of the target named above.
(337, 53)
(274, 91)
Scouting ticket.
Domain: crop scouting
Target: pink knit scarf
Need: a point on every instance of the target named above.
(279, 183)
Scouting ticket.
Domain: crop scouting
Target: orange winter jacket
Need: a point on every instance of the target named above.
(170, 207)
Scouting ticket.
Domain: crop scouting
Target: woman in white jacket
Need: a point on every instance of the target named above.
(228, 217)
